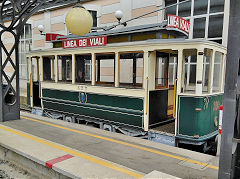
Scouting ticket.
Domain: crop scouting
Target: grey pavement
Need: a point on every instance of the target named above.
(130, 157)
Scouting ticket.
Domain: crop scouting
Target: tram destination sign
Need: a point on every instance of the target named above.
(179, 23)
(85, 42)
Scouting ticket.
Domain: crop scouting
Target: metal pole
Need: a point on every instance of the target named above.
(236, 141)
(229, 111)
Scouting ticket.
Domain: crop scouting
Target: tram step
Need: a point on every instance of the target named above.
(164, 138)
(37, 111)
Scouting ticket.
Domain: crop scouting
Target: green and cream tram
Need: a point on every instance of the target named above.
(154, 87)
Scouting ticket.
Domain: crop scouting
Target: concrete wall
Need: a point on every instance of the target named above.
(36, 168)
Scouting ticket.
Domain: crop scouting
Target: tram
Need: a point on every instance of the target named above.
(168, 89)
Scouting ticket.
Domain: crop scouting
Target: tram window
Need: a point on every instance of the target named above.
(48, 69)
(105, 69)
(206, 71)
(217, 71)
(139, 71)
(172, 69)
(161, 76)
(83, 68)
(65, 68)
(131, 70)
(190, 56)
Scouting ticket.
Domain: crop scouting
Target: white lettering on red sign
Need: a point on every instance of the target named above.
(86, 42)
(179, 23)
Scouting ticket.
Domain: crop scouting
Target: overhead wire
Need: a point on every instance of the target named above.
(106, 28)
(163, 8)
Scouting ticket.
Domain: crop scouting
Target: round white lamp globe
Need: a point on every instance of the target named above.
(119, 14)
(41, 28)
(79, 21)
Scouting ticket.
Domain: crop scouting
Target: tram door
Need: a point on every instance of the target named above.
(35, 96)
(162, 64)
(166, 70)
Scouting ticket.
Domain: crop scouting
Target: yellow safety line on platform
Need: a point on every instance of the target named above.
(126, 144)
(75, 153)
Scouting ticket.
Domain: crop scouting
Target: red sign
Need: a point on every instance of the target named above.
(52, 37)
(85, 42)
(179, 23)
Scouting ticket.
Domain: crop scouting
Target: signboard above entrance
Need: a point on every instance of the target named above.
(179, 23)
(85, 42)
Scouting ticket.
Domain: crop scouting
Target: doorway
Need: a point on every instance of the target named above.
(165, 76)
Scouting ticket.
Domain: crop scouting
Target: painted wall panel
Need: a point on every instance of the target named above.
(143, 3)
(110, 8)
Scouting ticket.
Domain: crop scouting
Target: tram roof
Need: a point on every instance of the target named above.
(130, 30)
(168, 42)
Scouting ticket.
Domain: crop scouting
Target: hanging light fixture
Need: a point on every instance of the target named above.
(78, 20)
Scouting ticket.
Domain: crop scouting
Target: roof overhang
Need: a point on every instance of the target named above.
(159, 27)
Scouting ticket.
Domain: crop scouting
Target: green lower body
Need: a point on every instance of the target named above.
(119, 110)
(198, 117)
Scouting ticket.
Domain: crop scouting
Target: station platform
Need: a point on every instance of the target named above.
(79, 151)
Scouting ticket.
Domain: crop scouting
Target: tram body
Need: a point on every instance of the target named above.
(127, 86)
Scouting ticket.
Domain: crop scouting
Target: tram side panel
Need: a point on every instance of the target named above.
(198, 116)
(114, 109)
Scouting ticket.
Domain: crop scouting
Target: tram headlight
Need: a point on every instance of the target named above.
(78, 20)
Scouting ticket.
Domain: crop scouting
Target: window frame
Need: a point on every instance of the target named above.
(207, 16)
(175, 65)
(187, 85)
(58, 67)
(132, 84)
(23, 50)
(217, 89)
(86, 81)
(98, 71)
(52, 68)
(158, 86)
